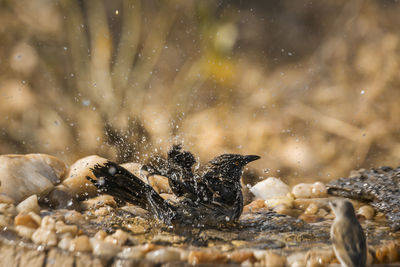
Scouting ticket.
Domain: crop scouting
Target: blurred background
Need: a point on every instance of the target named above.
(311, 86)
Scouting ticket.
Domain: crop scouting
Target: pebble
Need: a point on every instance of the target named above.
(203, 257)
(35, 217)
(136, 229)
(160, 184)
(136, 211)
(48, 223)
(254, 206)
(59, 198)
(310, 218)
(118, 238)
(62, 228)
(270, 188)
(139, 251)
(388, 252)
(311, 209)
(296, 259)
(103, 211)
(303, 203)
(318, 189)
(306, 190)
(29, 204)
(25, 232)
(272, 259)
(76, 183)
(65, 242)
(101, 235)
(73, 217)
(97, 202)
(26, 220)
(323, 213)
(45, 237)
(8, 209)
(366, 211)
(164, 255)
(317, 258)
(131, 253)
(80, 243)
(135, 168)
(259, 254)
(5, 220)
(24, 175)
(101, 248)
(276, 201)
(285, 210)
(6, 199)
(242, 256)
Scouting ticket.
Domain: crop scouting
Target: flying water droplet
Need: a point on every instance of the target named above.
(112, 170)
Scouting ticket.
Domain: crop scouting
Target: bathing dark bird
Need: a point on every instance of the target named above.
(211, 197)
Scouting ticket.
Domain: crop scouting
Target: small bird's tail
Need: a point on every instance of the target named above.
(125, 187)
(120, 183)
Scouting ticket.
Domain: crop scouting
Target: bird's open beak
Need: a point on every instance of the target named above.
(250, 158)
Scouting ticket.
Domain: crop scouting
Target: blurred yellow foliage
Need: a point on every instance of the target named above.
(311, 87)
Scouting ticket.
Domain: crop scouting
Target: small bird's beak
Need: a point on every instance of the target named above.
(250, 158)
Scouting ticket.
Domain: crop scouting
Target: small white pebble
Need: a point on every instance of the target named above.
(48, 223)
(120, 236)
(270, 188)
(45, 237)
(62, 228)
(29, 204)
(101, 248)
(65, 243)
(132, 253)
(25, 232)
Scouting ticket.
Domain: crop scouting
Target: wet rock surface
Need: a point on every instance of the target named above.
(379, 186)
(24, 175)
(291, 228)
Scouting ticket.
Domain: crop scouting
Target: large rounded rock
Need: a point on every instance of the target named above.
(76, 184)
(24, 175)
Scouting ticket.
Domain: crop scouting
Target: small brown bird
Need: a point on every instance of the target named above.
(347, 235)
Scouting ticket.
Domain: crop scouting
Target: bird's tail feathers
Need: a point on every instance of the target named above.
(124, 186)
(120, 183)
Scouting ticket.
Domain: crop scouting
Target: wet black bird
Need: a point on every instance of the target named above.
(178, 168)
(211, 197)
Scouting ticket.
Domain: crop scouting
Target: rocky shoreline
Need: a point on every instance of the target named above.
(51, 215)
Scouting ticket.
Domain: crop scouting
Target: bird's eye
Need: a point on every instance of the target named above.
(237, 163)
